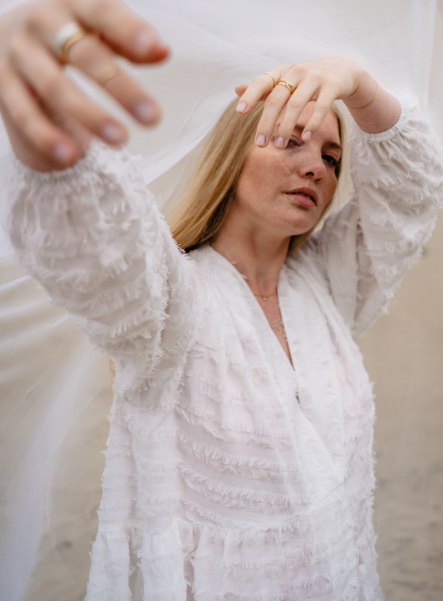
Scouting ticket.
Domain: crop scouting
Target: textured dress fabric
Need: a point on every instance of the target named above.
(230, 473)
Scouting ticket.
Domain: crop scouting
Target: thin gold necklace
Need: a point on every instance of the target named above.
(264, 298)
(280, 323)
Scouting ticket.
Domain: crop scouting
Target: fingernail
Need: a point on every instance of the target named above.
(142, 41)
(145, 111)
(261, 140)
(241, 107)
(280, 142)
(62, 152)
(112, 133)
(307, 135)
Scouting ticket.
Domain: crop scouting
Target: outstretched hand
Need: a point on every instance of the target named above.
(323, 80)
(43, 109)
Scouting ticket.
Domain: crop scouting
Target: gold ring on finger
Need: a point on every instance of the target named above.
(107, 73)
(289, 85)
(65, 38)
(273, 80)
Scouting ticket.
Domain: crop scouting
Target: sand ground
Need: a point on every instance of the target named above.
(403, 353)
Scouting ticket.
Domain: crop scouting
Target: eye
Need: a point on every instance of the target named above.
(331, 160)
(293, 143)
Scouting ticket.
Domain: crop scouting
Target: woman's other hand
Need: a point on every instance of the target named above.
(48, 118)
(323, 80)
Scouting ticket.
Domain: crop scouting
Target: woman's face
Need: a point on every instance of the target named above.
(287, 190)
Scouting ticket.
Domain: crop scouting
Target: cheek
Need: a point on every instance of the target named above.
(258, 178)
(260, 175)
(330, 186)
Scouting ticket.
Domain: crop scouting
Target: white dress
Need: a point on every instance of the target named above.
(230, 474)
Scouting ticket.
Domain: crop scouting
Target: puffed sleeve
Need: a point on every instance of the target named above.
(365, 248)
(93, 237)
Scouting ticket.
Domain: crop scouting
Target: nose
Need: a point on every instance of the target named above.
(311, 164)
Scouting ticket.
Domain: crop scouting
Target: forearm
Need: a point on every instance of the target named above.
(368, 245)
(96, 241)
(380, 114)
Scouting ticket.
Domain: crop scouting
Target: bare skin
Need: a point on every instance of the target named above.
(48, 119)
(50, 122)
(258, 229)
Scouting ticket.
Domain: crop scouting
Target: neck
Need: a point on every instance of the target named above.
(257, 253)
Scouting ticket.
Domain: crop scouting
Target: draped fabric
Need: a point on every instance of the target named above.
(50, 374)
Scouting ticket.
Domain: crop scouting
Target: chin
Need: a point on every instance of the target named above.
(300, 227)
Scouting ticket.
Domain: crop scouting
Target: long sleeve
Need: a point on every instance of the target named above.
(365, 248)
(94, 238)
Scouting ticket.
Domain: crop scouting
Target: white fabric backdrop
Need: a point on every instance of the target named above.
(49, 372)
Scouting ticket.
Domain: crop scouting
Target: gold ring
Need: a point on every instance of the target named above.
(273, 80)
(65, 38)
(289, 85)
(107, 73)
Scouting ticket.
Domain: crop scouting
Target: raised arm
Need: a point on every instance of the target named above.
(363, 250)
(323, 80)
(366, 247)
(91, 234)
(93, 237)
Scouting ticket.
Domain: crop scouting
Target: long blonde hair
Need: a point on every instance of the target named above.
(200, 214)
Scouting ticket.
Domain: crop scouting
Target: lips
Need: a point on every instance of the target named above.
(305, 197)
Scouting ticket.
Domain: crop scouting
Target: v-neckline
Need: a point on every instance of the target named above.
(281, 292)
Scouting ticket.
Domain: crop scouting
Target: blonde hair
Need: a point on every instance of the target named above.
(200, 214)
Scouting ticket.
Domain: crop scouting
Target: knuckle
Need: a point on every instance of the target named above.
(333, 81)
(258, 82)
(322, 106)
(274, 100)
(264, 127)
(295, 102)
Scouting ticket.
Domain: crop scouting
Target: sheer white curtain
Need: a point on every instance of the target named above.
(54, 388)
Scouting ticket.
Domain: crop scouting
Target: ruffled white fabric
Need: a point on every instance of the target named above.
(230, 474)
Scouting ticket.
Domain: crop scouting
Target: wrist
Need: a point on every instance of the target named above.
(364, 93)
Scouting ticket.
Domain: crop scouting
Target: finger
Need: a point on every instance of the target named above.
(294, 108)
(241, 89)
(129, 35)
(42, 72)
(93, 58)
(261, 85)
(322, 107)
(30, 123)
(271, 112)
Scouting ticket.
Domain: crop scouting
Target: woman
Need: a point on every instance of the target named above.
(239, 458)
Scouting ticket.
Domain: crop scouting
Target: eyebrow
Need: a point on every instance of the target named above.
(334, 145)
